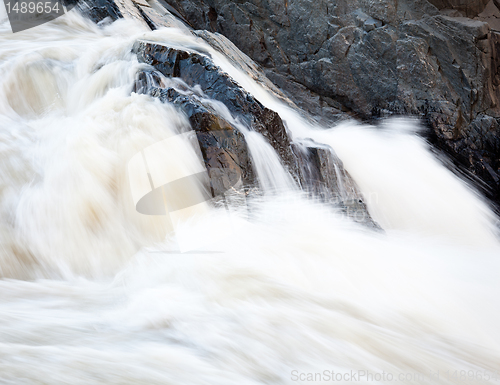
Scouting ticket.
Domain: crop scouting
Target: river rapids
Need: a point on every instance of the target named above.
(285, 291)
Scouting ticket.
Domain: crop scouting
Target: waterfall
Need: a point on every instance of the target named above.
(93, 291)
(271, 173)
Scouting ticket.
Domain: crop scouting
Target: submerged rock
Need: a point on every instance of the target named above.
(323, 175)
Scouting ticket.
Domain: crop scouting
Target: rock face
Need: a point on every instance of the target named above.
(199, 70)
(223, 146)
(323, 175)
(315, 167)
(469, 8)
(376, 58)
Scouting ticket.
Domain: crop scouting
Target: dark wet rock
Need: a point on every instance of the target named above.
(99, 10)
(323, 175)
(145, 81)
(479, 149)
(223, 147)
(318, 170)
(223, 45)
(199, 70)
(226, 156)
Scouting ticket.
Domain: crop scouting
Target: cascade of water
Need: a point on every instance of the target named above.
(272, 175)
(98, 296)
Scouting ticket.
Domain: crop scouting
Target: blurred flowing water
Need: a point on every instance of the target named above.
(94, 292)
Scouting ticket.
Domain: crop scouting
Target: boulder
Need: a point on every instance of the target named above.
(197, 69)
(223, 147)
(320, 172)
(323, 175)
(224, 150)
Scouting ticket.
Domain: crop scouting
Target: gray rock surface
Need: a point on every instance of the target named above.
(323, 175)
(315, 167)
(199, 70)
(223, 147)
(469, 8)
(376, 58)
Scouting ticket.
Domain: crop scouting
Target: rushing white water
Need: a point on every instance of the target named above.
(272, 176)
(93, 292)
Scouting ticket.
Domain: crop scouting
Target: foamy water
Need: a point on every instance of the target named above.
(94, 292)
